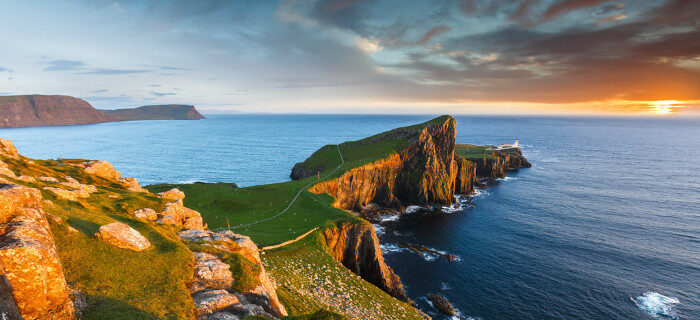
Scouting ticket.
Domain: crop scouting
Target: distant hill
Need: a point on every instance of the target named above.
(45, 110)
(158, 112)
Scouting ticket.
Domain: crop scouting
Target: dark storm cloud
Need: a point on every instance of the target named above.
(676, 12)
(62, 65)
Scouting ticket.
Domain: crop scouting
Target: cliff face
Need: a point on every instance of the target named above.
(355, 245)
(40, 110)
(158, 112)
(499, 163)
(425, 172)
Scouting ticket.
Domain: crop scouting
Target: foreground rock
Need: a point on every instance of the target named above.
(72, 195)
(213, 274)
(355, 245)
(441, 304)
(122, 236)
(33, 276)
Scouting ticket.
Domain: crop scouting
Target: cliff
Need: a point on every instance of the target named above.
(41, 110)
(491, 163)
(420, 170)
(355, 245)
(158, 112)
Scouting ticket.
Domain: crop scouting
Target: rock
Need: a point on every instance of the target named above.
(172, 194)
(102, 169)
(74, 184)
(79, 302)
(72, 195)
(176, 214)
(26, 179)
(29, 258)
(356, 246)
(48, 202)
(208, 301)
(221, 315)
(5, 170)
(7, 148)
(113, 196)
(48, 179)
(441, 304)
(210, 273)
(122, 236)
(132, 184)
(146, 214)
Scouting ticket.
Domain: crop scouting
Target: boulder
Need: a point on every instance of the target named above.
(26, 179)
(146, 214)
(132, 184)
(71, 195)
(122, 236)
(74, 184)
(48, 179)
(5, 170)
(208, 301)
(176, 214)
(210, 273)
(441, 304)
(32, 267)
(102, 169)
(172, 194)
(7, 148)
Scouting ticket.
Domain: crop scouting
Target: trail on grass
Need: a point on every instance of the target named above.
(342, 162)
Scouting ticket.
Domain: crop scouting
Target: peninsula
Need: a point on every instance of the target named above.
(96, 245)
(56, 110)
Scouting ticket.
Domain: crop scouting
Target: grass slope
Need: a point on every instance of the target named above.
(118, 283)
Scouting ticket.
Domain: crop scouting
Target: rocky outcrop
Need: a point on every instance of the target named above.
(41, 110)
(176, 214)
(424, 172)
(147, 214)
(7, 148)
(122, 236)
(172, 194)
(158, 112)
(32, 271)
(104, 169)
(71, 195)
(212, 275)
(496, 165)
(465, 177)
(441, 304)
(355, 246)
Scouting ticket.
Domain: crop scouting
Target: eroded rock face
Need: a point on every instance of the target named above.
(7, 148)
(176, 214)
(122, 236)
(423, 173)
(208, 301)
(466, 176)
(28, 255)
(211, 273)
(355, 245)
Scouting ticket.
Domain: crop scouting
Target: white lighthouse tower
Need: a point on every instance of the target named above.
(516, 143)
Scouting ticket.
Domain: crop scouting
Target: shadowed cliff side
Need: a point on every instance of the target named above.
(355, 245)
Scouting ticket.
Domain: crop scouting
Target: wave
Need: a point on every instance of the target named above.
(507, 179)
(391, 248)
(379, 230)
(657, 305)
(413, 209)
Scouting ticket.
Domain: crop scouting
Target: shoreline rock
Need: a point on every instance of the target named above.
(442, 304)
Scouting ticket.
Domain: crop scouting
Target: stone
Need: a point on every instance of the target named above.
(442, 304)
(146, 214)
(48, 179)
(122, 236)
(172, 194)
(210, 273)
(132, 184)
(221, 315)
(208, 301)
(101, 169)
(176, 214)
(74, 184)
(71, 195)
(5, 170)
(26, 179)
(7, 148)
(28, 255)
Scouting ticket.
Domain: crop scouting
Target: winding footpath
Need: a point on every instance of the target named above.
(342, 162)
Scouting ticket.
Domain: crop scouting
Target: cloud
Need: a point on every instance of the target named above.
(173, 68)
(63, 65)
(563, 7)
(434, 32)
(608, 8)
(6, 69)
(612, 18)
(114, 71)
(99, 91)
(368, 45)
(155, 85)
(162, 94)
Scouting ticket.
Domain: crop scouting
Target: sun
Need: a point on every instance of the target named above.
(664, 107)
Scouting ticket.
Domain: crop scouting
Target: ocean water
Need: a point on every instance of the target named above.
(605, 225)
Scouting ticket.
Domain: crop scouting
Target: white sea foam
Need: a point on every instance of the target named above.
(478, 192)
(387, 218)
(445, 286)
(379, 230)
(413, 209)
(507, 179)
(657, 305)
(390, 248)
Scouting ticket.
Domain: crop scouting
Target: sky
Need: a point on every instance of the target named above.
(352, 56)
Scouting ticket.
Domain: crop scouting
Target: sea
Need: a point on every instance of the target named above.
(605, 225)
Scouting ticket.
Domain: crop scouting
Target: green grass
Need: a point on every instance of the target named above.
(468, 151)
(309, 279)
(118, 283)
(222, 206)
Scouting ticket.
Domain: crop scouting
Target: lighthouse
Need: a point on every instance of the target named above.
(516, 143)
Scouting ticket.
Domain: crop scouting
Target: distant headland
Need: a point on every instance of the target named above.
(56, 110)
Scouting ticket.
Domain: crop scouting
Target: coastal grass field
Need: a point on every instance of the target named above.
(308, 279)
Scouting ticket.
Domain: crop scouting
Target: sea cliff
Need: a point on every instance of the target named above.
(41, 110)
